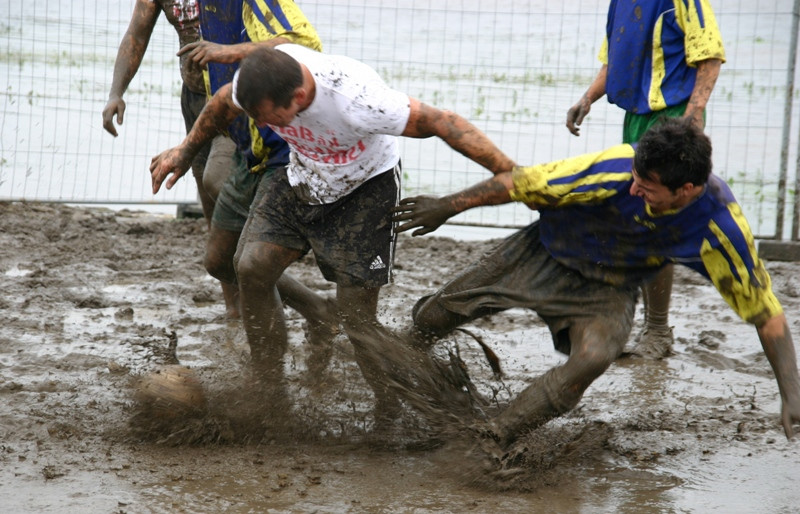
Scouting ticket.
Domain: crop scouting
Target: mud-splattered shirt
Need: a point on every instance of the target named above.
(652, 48)
(348, 133)
(591, 223)
(233, 22)
(184, 15)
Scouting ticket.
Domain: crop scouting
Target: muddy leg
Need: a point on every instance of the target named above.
(432, 320)
(593, 348)
(322, 322)
(259, 269)
(656, 339)
(206, 200)
(359, 316)
(220, 249)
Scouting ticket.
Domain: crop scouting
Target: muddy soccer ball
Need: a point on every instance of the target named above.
(171, 391)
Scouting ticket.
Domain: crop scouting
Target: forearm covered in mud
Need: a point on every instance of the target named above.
(133, 46)
(493, 191)
(707, 74)
(462, 136)
(214, 119)
(779, 349)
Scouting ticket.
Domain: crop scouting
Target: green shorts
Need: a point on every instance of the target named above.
(635, 125)
(239, 192)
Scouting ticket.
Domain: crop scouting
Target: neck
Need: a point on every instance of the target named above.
(310, 86)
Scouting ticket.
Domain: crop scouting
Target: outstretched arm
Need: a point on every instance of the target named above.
(779, 348)
(129, 58)
(461, 135)
(427, 213)
(204, 52)
(707, 73)
(216, 116)
(579, 111)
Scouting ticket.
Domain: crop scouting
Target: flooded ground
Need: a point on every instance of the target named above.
(94, 299)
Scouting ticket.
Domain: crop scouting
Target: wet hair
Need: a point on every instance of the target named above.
(676, 150)
(267, 74)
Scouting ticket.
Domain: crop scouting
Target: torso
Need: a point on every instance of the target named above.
(184, 16)
(348, 133)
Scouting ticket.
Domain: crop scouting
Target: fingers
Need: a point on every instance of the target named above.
(788, 428)
(155, 173)
(109, 126)
(108, 117)
(571, 122)
(575, 131)
(188, 48)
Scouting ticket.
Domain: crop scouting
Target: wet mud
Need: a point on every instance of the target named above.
(93, 301)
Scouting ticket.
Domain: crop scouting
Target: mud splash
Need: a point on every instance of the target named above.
(93, 299)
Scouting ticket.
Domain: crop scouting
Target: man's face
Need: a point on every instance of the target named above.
(655, 194)
(266, 113)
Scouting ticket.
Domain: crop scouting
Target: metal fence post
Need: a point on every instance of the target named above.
(790, 94)
(787, 124)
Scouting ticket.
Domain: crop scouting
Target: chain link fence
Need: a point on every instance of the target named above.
(511, 67)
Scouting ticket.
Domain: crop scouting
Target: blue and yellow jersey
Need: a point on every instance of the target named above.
(591, 223)
(652, 48)
(244, 21)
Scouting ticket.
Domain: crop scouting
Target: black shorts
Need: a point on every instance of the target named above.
(191, 105)
(353, 238)
(520, 272)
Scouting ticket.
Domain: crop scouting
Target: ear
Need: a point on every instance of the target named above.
(687, 190)
(300, 96)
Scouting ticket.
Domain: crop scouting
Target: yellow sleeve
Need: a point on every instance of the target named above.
(750, 295)
(586, 178)
(602, 54)
(702, 37)
(266, 25)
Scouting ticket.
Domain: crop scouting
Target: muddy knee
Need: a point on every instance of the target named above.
(432, 319)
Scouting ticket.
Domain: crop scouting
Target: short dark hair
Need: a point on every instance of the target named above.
(677, 151)
(267, 74)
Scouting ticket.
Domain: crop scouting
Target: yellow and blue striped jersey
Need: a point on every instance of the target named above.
(233, 22)
(590, 222)
(652, 48)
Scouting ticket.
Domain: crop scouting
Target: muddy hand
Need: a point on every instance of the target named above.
(576, 114)
(114, 107)
(204, 52)
(425, 213)
(790, 414)
(166, 163)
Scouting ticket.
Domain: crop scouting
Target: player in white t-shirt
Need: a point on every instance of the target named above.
(336, 195)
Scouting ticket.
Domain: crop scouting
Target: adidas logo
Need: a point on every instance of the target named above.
(377, 263)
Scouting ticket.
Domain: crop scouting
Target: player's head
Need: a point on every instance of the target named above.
(671, 164)
(266, 86)
(676, 151)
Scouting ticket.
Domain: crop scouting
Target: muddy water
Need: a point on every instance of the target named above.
(94, 299)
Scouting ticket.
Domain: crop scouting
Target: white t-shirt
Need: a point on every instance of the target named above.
(349, 132)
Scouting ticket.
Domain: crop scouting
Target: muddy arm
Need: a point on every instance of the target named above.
(462, 136)
(129, 58)
(427, 213)
(578, 112)
(779, 348)
(216, 116)
(707, 73)
(204, 52)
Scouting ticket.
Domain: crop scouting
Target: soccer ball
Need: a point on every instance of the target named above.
(170, 392)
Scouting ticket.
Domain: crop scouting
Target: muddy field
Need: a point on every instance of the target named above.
(93, 300)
